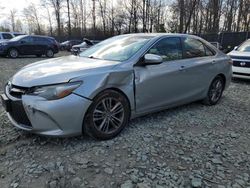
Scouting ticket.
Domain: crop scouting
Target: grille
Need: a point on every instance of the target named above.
(240, 57)
(241, 64)
(18, 113)
(17, 91)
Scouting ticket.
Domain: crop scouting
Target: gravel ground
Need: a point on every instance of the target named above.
(189, 146)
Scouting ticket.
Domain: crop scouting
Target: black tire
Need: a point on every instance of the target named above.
(102, 122)
(39, 55)
(13, 53)
(215, 91)
(49, 53)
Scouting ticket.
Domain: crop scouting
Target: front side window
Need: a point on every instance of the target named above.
(169, 49)
(119, 48)
(193, 48)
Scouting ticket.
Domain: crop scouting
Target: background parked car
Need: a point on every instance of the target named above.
(17, 34)
(29, 45)
(67, 45)
(241, 60)
(5, 36)
(76, 49)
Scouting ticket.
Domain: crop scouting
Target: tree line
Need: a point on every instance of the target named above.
(103, 18)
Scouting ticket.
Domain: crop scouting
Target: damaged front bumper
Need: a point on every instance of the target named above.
(62, 117)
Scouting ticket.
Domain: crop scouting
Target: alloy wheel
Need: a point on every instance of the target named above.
(216, 90)
(108, 115)
(50, 53)
(13, 53)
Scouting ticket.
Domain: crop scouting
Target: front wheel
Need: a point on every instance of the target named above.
(107, 115)
(49, 53)
(13, 53)
(215, 91)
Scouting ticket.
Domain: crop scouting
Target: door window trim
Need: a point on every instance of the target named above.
(140, 61)
(204, 45)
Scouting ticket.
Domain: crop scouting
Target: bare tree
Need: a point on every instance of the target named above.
(48, 16)
(12, 16)
(33, 18)
(57, 6)
(69, 23)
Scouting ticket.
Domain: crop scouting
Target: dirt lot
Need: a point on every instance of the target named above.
(189, 146)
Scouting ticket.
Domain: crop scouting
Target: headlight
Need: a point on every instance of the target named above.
(54, 92)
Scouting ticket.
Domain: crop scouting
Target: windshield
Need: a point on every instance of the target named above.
(119, 48)
(18, 38)
(245, 47)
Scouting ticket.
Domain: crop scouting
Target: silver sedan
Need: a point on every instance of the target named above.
(123, 77)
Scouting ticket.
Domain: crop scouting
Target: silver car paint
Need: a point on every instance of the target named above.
(58, 70)
(148, 88)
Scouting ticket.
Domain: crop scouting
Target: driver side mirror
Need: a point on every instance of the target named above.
(152, 59)
(235, 48)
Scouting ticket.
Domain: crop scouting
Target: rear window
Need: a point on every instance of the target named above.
(7, 36)
(195, 48)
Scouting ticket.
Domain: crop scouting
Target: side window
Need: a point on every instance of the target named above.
(193, 48)
(208, 51)
(39, 39)
(7, 36)
(27, 39)
(168, 48)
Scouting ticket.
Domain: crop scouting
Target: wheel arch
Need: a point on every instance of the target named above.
(100, 92)
(224, 79)
(8, 50)
(120, 91)
(13, 47)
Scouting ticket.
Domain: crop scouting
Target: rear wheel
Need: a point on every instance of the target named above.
(215, 91)
(49, 53)
(13, 53)
(107, 115)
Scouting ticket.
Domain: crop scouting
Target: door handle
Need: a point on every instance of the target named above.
(182, 68)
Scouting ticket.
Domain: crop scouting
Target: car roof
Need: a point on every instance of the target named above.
(5, 32)
(162, 34)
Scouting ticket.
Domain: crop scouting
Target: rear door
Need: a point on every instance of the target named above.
(40, 45)
(25, 46)
(199, 64)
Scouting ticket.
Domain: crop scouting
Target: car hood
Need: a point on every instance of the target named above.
(235, 53)
(77, 46)
(59, 70)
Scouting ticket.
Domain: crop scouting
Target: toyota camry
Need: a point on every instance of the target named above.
(121, 78)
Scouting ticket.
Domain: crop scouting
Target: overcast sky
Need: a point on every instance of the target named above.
(15, 4)
(7, 5)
